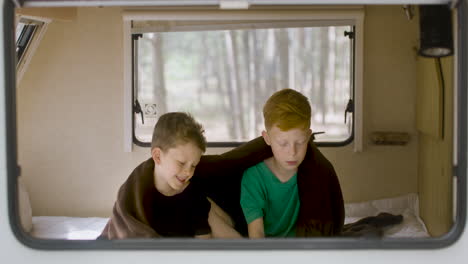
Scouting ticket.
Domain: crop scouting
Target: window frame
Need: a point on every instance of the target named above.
(260, 25)
(460, 170)
(33, 42)
(350, 16)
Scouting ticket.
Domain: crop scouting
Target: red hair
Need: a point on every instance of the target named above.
(287, 109)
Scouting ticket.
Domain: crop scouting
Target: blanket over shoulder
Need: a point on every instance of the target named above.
(322, 207)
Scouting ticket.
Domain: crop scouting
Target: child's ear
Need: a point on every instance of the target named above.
(266, 137)
(156, 154)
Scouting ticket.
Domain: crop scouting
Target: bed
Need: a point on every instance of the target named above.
(88, 228)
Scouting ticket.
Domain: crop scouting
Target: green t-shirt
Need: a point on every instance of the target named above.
(264, 195)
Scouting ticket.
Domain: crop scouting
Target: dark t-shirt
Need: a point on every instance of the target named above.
(181, 215)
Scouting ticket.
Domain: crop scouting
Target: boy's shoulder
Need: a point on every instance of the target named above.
(255, 166)
(257, 171)
(142, 175)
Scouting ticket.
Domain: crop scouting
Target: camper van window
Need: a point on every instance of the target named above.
(25, 31)
(223, 74)
(28, 33)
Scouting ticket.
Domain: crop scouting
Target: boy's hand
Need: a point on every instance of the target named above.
(206, 236)
(256, 229)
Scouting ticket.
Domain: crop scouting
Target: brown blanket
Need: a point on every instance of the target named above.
(322, 208)
(129, 219)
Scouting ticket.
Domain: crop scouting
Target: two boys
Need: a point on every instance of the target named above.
(171, 206)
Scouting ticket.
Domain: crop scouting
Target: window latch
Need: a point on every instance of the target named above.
(349, 34)
(137, 110)
(136, 36)
(317, 133)
(349, 109)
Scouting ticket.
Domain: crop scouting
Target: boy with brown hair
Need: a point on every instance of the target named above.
(269, 192)
(158, 194)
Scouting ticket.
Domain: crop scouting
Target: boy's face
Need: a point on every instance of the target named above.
(175, 166)
(289, 147)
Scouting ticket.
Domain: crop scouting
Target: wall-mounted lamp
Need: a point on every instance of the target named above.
(435, 25)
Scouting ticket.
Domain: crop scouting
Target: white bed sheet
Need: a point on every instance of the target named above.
(61, 227)
(406, 205)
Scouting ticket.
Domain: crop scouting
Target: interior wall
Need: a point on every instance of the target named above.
(57, 13)
(70, 116)
(389, 105)
(435, 127)
(70, 125)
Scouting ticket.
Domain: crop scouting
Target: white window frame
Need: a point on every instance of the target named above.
(32, 45)
(354, 16)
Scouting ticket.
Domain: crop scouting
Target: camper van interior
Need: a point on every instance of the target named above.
(92, 81)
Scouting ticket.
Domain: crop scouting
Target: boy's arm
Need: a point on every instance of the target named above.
(206, 236)
(253, 202)
(256, 228)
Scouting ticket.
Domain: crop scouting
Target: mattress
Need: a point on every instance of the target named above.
(406, 205)
(89, 228)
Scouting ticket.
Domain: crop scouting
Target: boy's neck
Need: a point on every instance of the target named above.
(282, 174)
(162, 187)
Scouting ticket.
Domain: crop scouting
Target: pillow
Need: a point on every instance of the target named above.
(25, 211)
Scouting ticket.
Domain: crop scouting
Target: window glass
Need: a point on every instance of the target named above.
(25, 30)
(223, 77)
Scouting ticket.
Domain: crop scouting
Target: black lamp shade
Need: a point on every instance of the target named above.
(435, 25)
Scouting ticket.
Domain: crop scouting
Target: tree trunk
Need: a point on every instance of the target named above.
(324, 57)
(159, 82)
(282, 44)
(301, 54)
(204, 67)
(239, 109)
(249, 88)
(332, 68)
(311, 57)
(258, 84)
(232, 75)
(269, 64)
(226, 85)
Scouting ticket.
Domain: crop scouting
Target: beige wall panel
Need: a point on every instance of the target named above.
(57, 13)
(429, 100)
(70, 116)
(435, 153)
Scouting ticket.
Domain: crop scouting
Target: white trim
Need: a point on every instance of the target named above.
(36, 18)
(455, 114)
(32, 46)
(455, 89)
(129, 3)
(234, 4)
(249, 15)
(359, 85)
(352, 16)
(454, 197)
(234, 26)
(127, 81)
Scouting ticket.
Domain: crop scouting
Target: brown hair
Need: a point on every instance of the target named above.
(177, 128)
(287, 109)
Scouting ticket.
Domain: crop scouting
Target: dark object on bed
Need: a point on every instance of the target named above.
(322, 207)
(372, 226)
